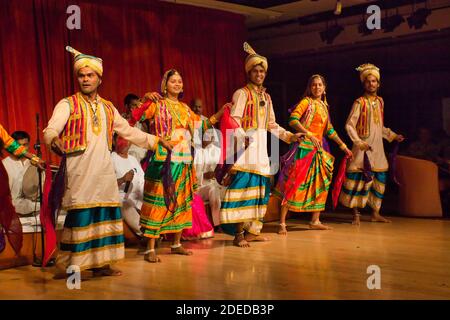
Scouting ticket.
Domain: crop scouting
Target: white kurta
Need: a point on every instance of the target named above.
(91, 180)
(205, 161)
(138, 152)
(133, 199)
(136, 190)
(255, 158)
(377, 132)
(16, 170)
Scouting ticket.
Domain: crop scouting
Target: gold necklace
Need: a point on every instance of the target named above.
(173, 110)
(375, 111)
(94, 112)
(96, 126)
(260, 94)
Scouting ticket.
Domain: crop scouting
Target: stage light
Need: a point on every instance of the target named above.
(419, 18)
(338, 9)
(392, 22)
(331, 33)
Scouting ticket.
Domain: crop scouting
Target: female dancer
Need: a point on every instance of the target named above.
(175, 122)
(313, 164)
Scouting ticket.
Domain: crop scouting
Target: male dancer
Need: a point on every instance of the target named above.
(82, 127)
(365, 126)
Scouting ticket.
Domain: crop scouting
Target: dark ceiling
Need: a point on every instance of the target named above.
(262, 4)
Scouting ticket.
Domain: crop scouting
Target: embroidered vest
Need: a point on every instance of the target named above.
(363, 124)
(250, 118)
(74, 135)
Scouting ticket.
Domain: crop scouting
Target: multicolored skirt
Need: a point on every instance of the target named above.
(246, 198)
(311, 194)
(91, 238)
(356, 193)
(155, 218)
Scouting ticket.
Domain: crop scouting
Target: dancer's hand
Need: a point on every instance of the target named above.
(317, 143)
(298, 137)
(57, 146)
(399, 138)
(363, 146)
(165, 144)
(219, 113)
(38, 162)
(349, 153)
(154, 96)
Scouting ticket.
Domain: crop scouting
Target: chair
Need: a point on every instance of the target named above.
(419, 187)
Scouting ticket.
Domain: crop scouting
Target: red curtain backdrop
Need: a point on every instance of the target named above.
(137, 39)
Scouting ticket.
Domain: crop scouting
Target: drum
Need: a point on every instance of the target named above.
(30, 183)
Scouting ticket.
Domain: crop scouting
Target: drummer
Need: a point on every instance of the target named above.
(27, 202)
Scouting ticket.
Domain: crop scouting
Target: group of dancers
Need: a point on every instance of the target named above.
(82, 126)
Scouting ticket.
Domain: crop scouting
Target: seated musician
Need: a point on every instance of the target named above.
(23, 202)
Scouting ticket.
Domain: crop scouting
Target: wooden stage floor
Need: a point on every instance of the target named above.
(413, 256)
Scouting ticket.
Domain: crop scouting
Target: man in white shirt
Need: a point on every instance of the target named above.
(130, 178)
(131, 102)
(16, 169)
(207, 156)
(205, 163)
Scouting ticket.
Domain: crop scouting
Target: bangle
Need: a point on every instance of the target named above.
(213, 119)
(343, 146)
(309, 134)
(35, 160)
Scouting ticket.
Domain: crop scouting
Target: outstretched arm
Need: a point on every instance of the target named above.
(136, 136)
(332, 134)
(279, 131)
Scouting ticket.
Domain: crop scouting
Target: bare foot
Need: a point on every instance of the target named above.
(239, 241)
(356, 220)
(151, 257)
(182, 251)
(378, 218)
(106, 272)
(251, 237)
(319, 226)
(282, 229)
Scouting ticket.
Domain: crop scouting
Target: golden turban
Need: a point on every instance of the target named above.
(83, 60)
(253, 59)
(368, 69)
